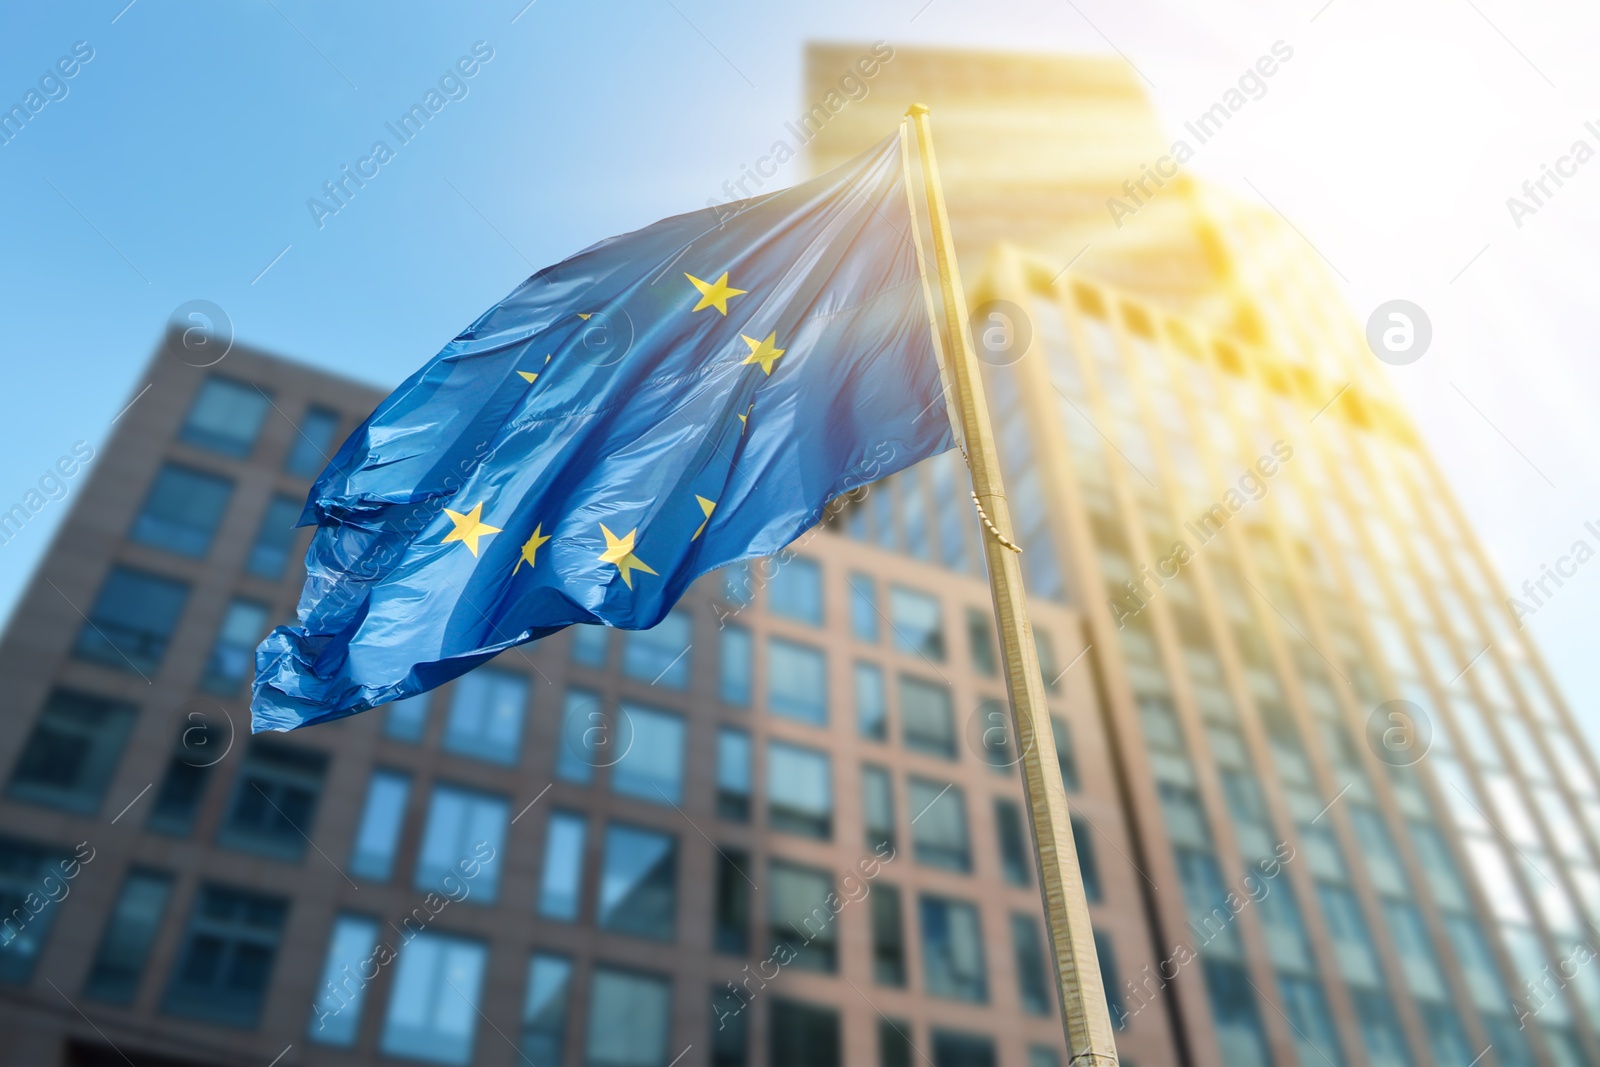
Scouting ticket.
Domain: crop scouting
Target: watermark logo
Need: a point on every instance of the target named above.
(1399, 733)
(605, 337)
(1399, 332)
(1001, 332)
(199, 333)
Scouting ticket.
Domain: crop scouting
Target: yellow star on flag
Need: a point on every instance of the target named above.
(619, 551)
(714, 294)
(532, 376)
(764, 352)
(707, 506)
(469, 528)
(530, 549)
(744, 420)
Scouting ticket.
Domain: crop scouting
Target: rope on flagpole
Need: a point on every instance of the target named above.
(988, 522)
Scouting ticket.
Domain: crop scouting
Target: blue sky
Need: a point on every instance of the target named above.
(179, 163)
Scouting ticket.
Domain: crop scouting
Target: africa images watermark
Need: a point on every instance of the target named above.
(1252, 487)
(52, 485)
(52, 88)
(1256, 884)
(1566, 567)
(452, 86)
(1252, 85)
(1538, 191)
(33, 903)
(852, 86)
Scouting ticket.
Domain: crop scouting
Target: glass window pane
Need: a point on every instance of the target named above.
(795, 591)
(659, 655)
(952, 950)
(877, 808)
(544, 1013)
(799, 790)
(629, 1016)
(980, 639)
(730, 1028)
(733, 774)
(888, 936)
(927, 718)
(336, 1013)
(872, 708)
(798, 916)
(275, 538)
(313, 445)
(1032, 980)
(1015, 862)
(586, 739)
(652, 767)
(803, 1035)
(917, 623)
(434, 1002)
(863, 607)
(486, 715)
(463, 837)
(378, 834)
(226, 417)
(405, 720)
(738, 653)
(131, 621)
(561, 881)
(938, 824)
(181, 511)
(732, 912)
(638, 882)
(275, 800)
(797, 682)
(234, 654)
(225, 961)
(589, 644)
(130, 931)
(72, 751)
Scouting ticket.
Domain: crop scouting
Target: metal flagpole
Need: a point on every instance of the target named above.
(1084, 1015)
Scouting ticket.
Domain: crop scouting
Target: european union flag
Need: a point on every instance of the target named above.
(658, 405)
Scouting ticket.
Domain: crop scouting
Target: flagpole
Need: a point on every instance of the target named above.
(1084, 1014)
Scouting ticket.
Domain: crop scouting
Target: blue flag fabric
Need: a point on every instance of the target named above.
(659, 405)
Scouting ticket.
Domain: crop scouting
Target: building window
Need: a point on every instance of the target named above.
(952, 950)
(1233, 1009)
(795, 591)
(26, 870)
(798, 915)
(954, 1049)
(313, 446)
(733, 774)
(863, 607)
(1064, 757)
(1088, 868)
(336, 1013)
(927, 719)
(803, 1035)
(732, 927)
(1315, 1037)
(659, 655)
(589, 644)
(1047, 662)
(994, 740)
(639, 882)
(433, 1007)
(980, 638)
(226, 417)
(797, 682)
(544, 1012)
(486, 715)
(234, 654)
(872, 708)
(888, 937)
(225, 961)
(1040, 1056)
(917, 623)
(269, 556)
(184, 784)
(734, 682)
(464, 828)
(799, 790)
(629, 1019)
(730, 1029)
(1032, 980)
(1015, 862)
(275, 800)
(131, 621)
(894, 1046)
(585, 737)
(378, 834)
(72, 751)
(938, 825)
(561, 881)
(181, 511)
(405, 720)
(652, 766)
(130, 931)
(877, 808)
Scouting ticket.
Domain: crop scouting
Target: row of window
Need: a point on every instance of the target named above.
(227, 415)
